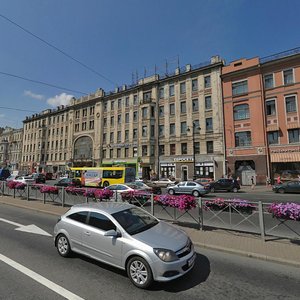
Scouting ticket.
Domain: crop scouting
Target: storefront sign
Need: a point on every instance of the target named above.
(288, 150)
(183, 159)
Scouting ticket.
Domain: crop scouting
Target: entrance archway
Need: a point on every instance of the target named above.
(83, 151)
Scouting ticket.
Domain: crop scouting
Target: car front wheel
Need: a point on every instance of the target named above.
(171, 192)
(281, 191)
(196, 194)
(139, 272)
(235, 190)
(63, 245)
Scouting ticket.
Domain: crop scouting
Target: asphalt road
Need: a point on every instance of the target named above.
(216, 275)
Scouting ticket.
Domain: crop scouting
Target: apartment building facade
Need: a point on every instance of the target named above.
(169, 125)
(11, 148)
(261, 116)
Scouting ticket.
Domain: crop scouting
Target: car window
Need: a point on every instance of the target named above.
(181, 184)
(191, 184)
(100, 221)
(79, 216)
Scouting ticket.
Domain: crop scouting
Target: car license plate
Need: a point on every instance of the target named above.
(191, 260)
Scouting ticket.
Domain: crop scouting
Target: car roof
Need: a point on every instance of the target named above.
(108, 207)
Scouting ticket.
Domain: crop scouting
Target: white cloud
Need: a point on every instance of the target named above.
(62, 99)
(33, 95)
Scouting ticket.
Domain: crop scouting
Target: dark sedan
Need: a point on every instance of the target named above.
(68, 182)
(287, 187)
(224, 184)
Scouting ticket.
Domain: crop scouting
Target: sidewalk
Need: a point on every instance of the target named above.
(280, 250)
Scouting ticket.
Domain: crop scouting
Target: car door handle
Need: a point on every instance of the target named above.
(88, 233)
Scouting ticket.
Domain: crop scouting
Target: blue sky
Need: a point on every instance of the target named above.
(119, 38)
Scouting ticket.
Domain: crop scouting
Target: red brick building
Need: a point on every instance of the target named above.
(261, 117)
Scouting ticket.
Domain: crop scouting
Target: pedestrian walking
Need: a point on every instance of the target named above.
(252, 182)
(238, 180)
(278, 180)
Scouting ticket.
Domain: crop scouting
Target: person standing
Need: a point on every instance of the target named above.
(252, 182)
(279, 180)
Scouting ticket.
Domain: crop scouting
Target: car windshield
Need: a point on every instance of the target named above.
(134, 220)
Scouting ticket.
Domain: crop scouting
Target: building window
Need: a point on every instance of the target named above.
(135, 152)
(126, 152)
(172, 129)
(208, 102)
(119, 136)
(270, 108)
(144, 112)
(84, 112)
(239, 88)
(195, 104)
(243, 138)
(84, 126)
(161, 111)
(127, 118)
(126, 135)
(207, 82)
(209, 124)
(126, 101)
(104, 138)
(183, 127)
(197, 147)
(152, 131)
(161, 93)
(288, 76)
(112, 105)
(76, 127)
(241, 112)
(112, 121)
(105, 106)
(161, 130)
(105, 122)
(269, 81)
(144, 150)
(172, 109)
(273, 137)
(119, 103)
(161, 149)
(135, 116)
(92, 124)
(134, 133)
(111, 138)
(111, 153)
(172, 90)
(77, 115)
(147, 96)
(182, 88)
(209, 147)
(119, 119)
(118, 152)
(293, 135)
(195, 85)
(290, 104)
(152, 112)
(183, 148)
(183, 107)
(104, 153)
(172, 149)
(135, 100)
(144, 131)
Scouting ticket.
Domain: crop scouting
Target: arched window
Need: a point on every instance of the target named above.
(241, 112)
(83, 148)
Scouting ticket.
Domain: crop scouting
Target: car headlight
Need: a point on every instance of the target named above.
(166, 255)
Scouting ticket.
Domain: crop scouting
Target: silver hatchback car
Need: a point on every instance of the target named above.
(126, 237)
(188, 187)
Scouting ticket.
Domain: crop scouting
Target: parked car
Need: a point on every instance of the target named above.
(224, 184)
(128, 238)
(68, 182)
(204, 181)
(287, 187)
(188, 187)
(11, 177)
(139, 185)
(25, 179)
(39, 178)
(118, 189)
(164, 182)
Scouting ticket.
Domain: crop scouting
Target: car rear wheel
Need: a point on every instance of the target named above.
(235, 190)
(171, 192)
(63, 245)
(281, 191)
(196, 194)
(139, 272)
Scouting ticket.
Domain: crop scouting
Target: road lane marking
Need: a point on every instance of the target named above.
(27, 228)
(39, 278)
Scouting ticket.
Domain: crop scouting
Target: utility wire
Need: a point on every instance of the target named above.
(18, 109)
(57, 49)
(41, 82)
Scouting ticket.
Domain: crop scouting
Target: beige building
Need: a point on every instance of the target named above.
(11, 148)
(169, 125)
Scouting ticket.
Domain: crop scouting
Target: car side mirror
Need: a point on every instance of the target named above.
(113, 233)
